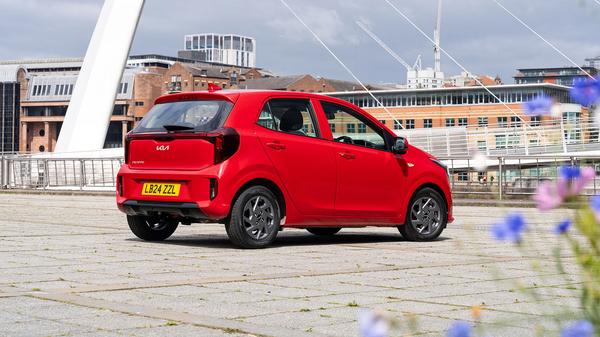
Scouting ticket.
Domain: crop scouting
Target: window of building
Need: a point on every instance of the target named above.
(463, 176)
(362, 128)
(398, 124)
(463, 121)
(536, 120)
(382, 121)
(282, 115)
(482, 145)
(351, 128)
(428, 123)
(482, 122)
(42, 132)
(450, 122)
(139, 103)
(501, 141)
(410, 124)
(502, 122)
(42, 148)
(515, 121)
(332, 127)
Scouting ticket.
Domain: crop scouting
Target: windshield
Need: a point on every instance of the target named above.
(197, 116)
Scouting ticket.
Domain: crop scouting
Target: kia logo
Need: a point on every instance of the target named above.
(163, 148)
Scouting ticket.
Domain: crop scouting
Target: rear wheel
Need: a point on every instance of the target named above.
(324, 231)
(255, 218)
(426, 217)
(151, 228)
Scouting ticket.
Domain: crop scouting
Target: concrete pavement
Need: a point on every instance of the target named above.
(70, 267)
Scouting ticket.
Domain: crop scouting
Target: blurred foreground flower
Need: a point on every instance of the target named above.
(595, 206)
(540, 106)
(511, 229)
(563, 227)
(571, 181)
(586, 91)
(460, 329)
(372, 324)
(479, 162)
(578, 329)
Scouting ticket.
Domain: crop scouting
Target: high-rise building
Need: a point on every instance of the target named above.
(228, 49)
(561, 76)
(10, 93)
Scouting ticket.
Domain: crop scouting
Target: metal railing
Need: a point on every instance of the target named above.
(30, 172)
(506, 177)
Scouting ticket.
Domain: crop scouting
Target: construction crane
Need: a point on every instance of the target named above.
(389, 50)
(436, 37)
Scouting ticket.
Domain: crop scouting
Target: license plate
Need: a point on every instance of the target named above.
(160, 189)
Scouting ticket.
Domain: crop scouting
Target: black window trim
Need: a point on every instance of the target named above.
(312, 114)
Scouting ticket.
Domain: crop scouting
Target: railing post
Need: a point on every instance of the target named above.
(3, 172)
(525, 139)
(562, 135)
(81, 174)
(500, 175)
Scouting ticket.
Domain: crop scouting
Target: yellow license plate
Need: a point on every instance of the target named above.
(160, 189)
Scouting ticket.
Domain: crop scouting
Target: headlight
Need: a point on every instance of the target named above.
(440, 164)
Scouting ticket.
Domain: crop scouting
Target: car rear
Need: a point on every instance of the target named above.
(173, 158)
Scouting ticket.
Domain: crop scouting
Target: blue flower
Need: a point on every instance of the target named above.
(460, 329)
(540, 106)
(578, 329)
(570, 172)
(511, 229)
(586, 91)
(563, 227)
(595, 203)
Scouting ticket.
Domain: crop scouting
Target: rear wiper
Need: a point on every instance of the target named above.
(178, 127)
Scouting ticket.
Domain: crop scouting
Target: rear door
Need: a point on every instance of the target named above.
(289, 132)
(370, 178)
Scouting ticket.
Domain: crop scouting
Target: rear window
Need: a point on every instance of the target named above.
(195, 116)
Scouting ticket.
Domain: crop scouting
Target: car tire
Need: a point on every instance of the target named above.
(426, 217)
(255, 218)
(151, 228)
(324, 231)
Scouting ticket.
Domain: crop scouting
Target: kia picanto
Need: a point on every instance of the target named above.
(262, 161)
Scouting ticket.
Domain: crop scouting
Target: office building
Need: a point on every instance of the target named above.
(227, 49)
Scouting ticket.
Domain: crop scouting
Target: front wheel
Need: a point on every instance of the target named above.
(323, 231)
(255, 218)
(151, 228)
(426, 217)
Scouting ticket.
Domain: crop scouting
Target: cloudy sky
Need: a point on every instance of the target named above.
(476, 32)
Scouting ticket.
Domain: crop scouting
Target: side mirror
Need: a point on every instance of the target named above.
(400, 145)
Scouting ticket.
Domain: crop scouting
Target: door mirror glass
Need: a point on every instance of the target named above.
(400, 145)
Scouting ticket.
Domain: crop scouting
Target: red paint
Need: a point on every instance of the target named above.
(323, 182)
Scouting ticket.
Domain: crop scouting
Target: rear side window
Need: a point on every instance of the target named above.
(197, 116)
(293, 116)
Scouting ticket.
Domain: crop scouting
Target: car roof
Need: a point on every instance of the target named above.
(233, 95)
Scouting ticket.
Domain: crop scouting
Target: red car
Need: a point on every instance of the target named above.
(261, 161)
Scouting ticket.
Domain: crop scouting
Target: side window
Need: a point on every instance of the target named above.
(293, 116)
(349, 127)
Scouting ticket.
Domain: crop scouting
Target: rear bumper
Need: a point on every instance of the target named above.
(178, 209)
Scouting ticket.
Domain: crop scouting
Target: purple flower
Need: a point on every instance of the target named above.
(540, 106)
(578, 329)
(511, 229)
(563, 227)
(460, 329)
(571, 182)
(372, 324)
(586, 91)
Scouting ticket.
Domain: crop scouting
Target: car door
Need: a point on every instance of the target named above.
(370, 178)
(289, 132)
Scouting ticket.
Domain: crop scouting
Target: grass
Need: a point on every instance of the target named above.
(352, 304)
(304, 310)
(171, 323)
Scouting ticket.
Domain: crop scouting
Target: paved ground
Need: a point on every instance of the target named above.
(70, 267)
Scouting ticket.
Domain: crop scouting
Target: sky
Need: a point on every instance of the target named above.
(477, 33)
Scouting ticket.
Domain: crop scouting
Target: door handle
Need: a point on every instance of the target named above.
(347, 155)
(276, 146)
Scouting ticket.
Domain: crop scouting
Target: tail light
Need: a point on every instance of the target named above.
(127, 141)
(226, 141)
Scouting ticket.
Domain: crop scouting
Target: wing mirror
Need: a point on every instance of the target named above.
(400, 145)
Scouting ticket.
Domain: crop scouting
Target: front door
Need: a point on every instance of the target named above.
(370, 178)
(290, 135)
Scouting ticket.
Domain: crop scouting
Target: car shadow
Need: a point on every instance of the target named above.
(286, 239)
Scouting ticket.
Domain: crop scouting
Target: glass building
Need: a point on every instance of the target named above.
(9, 117)
(227, 49)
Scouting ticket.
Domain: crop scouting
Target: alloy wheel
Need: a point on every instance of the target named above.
(258, 217)
(425, 215)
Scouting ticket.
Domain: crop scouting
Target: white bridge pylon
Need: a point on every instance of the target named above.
(88, 116)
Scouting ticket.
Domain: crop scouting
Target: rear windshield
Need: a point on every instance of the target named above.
(194, 116)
